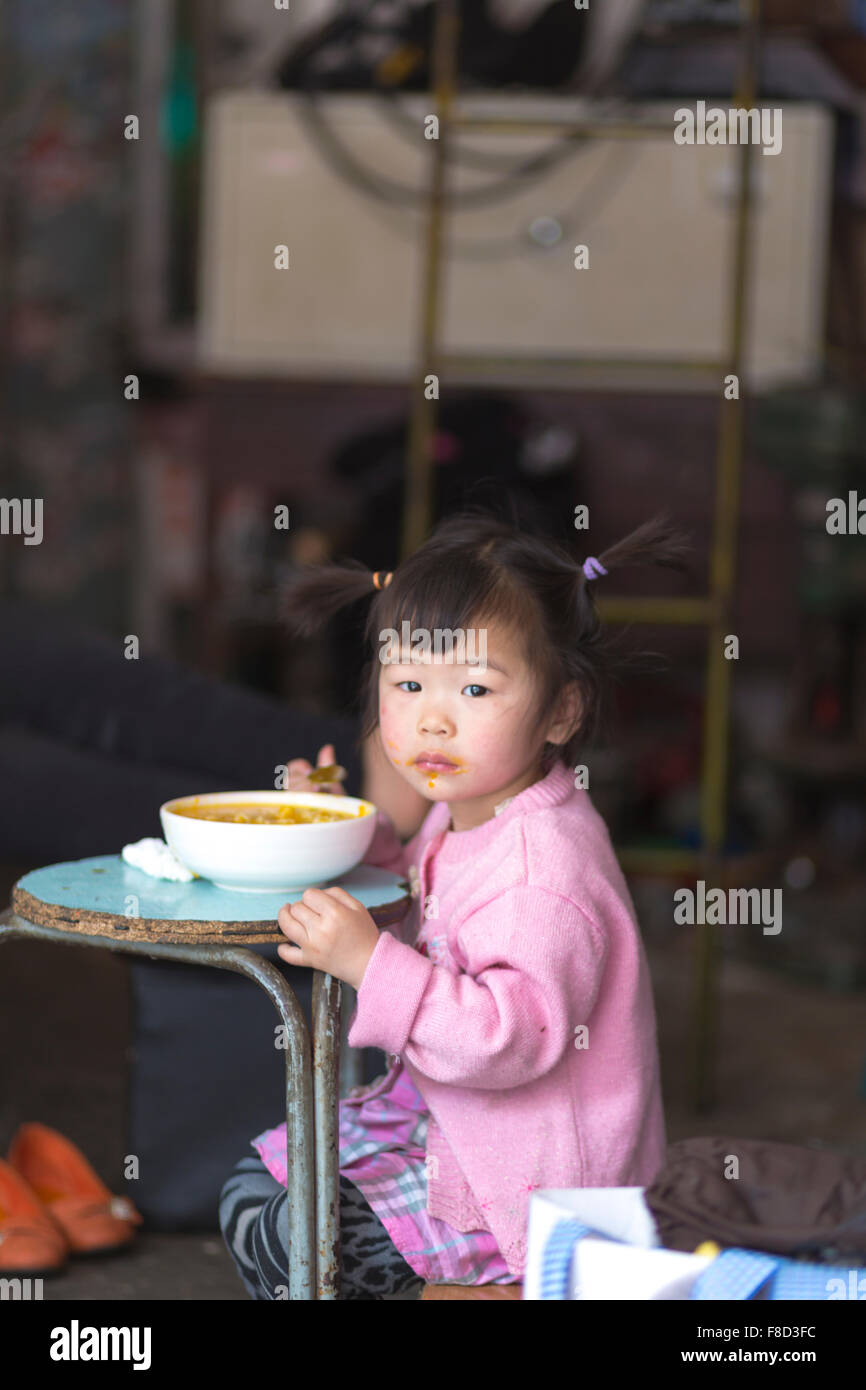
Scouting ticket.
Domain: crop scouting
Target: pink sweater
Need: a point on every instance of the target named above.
(539, 921)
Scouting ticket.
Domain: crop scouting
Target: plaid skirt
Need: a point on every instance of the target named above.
(382, 1151)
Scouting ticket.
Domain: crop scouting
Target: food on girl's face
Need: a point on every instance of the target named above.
(249, 813)
(436, 762)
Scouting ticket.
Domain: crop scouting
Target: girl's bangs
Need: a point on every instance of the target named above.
(464, 596)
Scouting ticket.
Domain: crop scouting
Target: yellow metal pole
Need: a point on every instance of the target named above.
(655, 610)
(714, 781)
(417, 508)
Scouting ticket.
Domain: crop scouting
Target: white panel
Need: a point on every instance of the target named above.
(657, 217)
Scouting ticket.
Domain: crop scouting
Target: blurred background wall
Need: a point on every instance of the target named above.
(163, 388)
(138, 257)
(67, 435)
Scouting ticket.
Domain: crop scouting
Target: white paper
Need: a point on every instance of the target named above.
(639, 1268)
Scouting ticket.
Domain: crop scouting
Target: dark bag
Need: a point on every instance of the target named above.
(786, 1198)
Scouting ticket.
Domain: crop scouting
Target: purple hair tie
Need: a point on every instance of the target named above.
(592, 568)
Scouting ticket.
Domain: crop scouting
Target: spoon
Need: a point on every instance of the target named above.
(331, 772)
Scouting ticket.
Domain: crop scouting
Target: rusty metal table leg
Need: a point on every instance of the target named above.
(313, 1257)
(327, 994)
(351, 1058)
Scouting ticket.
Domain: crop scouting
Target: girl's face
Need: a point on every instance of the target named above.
(463, 732)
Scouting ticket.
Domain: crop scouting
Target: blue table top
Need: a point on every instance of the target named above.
(108, 884)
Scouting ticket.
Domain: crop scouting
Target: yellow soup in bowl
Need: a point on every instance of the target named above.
(301, 839)
(247, 813)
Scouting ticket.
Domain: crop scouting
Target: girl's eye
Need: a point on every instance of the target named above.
(477, 690)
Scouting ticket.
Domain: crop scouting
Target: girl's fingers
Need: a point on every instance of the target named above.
(284, 919)
(290, 923)
(315, 898)
(342, 896)
(326, 756)
(298, 772)
(307, 916)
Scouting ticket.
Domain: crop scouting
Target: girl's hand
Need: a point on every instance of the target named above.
(331, 931)
(299, 770)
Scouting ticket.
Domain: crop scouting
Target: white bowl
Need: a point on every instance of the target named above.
(269, 858)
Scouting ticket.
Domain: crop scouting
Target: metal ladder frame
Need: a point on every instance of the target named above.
(713, 610)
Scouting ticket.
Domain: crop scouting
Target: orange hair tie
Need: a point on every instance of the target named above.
(386, 581)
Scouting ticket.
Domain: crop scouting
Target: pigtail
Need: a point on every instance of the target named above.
(603, 657)
(313, 595)
(656, 542)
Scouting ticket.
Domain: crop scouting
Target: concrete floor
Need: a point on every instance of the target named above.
(790, 1066)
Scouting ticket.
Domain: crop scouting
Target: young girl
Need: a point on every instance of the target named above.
(514, 1000)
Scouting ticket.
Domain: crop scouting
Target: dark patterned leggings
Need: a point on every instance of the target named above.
(253, 1215)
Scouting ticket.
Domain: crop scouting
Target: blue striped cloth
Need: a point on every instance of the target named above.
(733, 1274)
(742, 1273)
(558, 1255)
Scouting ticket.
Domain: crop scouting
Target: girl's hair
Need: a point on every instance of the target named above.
(476, 569)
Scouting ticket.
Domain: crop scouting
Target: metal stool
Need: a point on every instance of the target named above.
(104, 902)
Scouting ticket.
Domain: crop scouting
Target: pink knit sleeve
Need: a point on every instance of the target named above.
(533, 969)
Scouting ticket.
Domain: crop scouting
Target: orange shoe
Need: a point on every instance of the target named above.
(30, 1242)
(91, 1218)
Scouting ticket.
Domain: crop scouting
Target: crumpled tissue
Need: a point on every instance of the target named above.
(154, 857)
